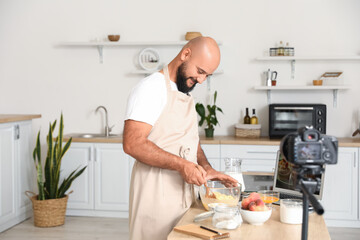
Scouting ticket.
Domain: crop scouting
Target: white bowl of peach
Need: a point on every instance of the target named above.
(253, 210)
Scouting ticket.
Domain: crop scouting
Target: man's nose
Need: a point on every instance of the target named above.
(201, 79)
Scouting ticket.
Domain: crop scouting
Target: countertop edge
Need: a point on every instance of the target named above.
(225, 140)
(6, 118)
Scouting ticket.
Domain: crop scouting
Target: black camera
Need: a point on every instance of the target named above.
(308, 146)
(309, 150)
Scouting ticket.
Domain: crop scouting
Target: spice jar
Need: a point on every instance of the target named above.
(291, 51)
(273, 52)
(291, 211)
(226, 217)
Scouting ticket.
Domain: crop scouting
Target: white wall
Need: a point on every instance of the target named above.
(38, 76)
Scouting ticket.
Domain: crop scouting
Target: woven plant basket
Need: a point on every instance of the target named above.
(50, 212)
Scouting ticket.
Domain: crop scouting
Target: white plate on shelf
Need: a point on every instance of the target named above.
(149, 59)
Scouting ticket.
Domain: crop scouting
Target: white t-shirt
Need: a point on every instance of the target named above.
(148, 99)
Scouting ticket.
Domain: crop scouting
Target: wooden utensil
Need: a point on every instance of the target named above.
(195, 230)
(209, 194)
(357, 131)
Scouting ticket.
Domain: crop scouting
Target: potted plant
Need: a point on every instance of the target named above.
(210, 117)
(49, 205)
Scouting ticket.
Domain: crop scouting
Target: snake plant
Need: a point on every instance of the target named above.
(48, 177)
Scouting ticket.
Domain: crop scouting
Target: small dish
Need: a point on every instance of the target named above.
(191, 35)
(317, 82)
(113, 38)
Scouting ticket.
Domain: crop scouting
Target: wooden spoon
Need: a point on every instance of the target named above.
(209, 194)
(356, 132)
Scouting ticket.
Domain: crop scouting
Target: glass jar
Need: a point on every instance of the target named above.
(226, 217)
(286, 51)
(273, 52)
(291, 51)
(233, 169)
(291, 211)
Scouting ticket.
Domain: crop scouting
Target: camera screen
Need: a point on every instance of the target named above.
(308, 151)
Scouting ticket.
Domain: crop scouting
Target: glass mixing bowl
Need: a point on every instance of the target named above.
(217, 192)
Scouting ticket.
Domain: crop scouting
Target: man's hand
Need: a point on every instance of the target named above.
(193, 173)
(212, 174)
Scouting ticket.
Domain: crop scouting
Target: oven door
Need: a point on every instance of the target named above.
(286, 119)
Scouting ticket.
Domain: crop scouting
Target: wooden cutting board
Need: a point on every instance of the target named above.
(196, 231)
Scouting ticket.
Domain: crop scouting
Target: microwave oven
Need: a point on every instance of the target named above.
(287, 118)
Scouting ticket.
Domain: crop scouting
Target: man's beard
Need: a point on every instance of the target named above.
(181, 79)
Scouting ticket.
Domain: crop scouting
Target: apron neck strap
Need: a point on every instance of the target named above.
(167, 77)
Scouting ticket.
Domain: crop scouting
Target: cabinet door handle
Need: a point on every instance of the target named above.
(17, 132)
(95, 154)
(90, 154)
(354, 160)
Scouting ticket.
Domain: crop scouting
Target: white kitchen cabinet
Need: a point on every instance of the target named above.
(16, 173)
(111, 178)
(212, 153)
(340, 195)
(255, 158)
(104, 185)
(25, 168)
(79, 155)
(7, 173)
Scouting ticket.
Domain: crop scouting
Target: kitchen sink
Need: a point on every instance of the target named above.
(92, 135)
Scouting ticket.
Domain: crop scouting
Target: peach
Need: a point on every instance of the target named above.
(245, 203)
(251, 198)
(254, 196)
(252, 206)
(259, 202)
(261, 208)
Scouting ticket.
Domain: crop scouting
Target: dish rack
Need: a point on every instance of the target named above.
(247, 130)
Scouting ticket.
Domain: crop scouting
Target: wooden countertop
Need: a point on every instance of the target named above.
(343, 142)
(5, 118)
(271, 229)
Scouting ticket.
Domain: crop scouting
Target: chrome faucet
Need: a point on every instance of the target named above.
(107, 128)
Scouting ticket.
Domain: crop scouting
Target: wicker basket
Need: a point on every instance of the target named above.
(248, 130)
(50, 212)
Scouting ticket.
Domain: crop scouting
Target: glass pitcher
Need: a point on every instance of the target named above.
(233, 169)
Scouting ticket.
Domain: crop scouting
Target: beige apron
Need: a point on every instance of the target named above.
(159, 197)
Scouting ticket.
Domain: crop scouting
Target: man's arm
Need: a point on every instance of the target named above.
(136, 144)
(211, 174)
(202, 160)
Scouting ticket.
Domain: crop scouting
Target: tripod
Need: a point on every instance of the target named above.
(308, 186)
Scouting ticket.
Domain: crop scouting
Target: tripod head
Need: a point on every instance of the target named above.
(308, 183)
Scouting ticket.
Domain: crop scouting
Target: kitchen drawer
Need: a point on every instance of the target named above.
(251, 165)
(211, 150)
(249, 151)
(254, 165)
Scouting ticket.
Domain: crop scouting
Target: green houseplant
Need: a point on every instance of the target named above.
(209, 117)
(50, 204)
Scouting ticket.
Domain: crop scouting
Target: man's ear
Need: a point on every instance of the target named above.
(185, 54)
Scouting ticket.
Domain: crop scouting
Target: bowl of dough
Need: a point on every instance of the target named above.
(220, 192)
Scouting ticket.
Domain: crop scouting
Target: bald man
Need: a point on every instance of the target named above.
(161, 133)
